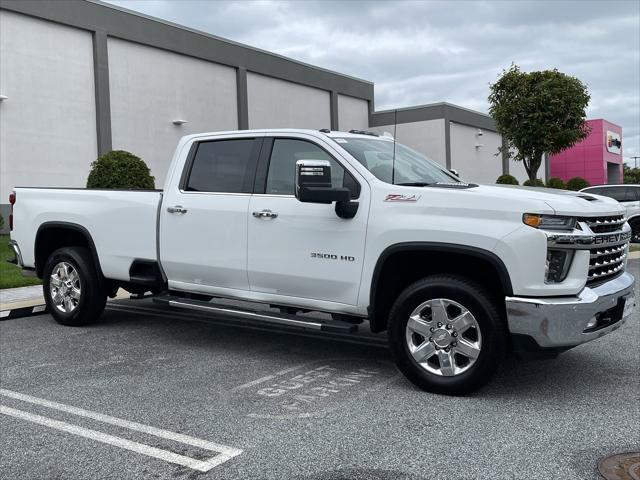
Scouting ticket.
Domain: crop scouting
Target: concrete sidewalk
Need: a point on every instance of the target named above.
(21, 297)
(27, 297)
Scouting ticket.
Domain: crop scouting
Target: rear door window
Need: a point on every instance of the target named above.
(224, 166)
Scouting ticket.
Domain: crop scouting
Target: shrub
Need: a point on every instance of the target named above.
(507, 180)
(538, 183)
(555, 182)
(577, 183)
(120, 169)
(1, 223)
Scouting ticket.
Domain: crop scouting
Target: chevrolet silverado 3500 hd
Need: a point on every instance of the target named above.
(350, 224)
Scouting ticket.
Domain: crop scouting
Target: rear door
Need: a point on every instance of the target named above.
(304, 249)
(203, 231)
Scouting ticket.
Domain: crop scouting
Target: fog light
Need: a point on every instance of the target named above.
(557, 265)
(591, 323)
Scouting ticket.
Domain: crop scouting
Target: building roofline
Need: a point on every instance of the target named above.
(118, 22)
(603, 120)
(433, 111)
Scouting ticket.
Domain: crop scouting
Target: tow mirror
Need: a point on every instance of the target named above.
(313, 185)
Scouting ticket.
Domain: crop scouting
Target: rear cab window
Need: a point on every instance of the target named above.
(222, 166)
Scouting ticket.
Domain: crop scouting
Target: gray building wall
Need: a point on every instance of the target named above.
(475, 156)
(47, 123)
(84, 77)
(426, 137)
(275, 103)
(150, 88)
(353, 113)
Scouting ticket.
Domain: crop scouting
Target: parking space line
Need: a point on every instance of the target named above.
(148, 450)
(224, 452)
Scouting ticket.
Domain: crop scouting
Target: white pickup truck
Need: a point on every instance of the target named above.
(350, 224)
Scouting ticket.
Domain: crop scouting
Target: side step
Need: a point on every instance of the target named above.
(247, 314)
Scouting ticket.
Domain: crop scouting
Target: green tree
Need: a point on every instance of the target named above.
(120, 169)
(631, 175)
(537, 113)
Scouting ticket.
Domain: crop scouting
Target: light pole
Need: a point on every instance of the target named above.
(635, 161)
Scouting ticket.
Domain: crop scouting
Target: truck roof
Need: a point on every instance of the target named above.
(317, 133)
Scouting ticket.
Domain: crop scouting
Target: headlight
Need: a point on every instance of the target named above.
(557, 266)
(549, 222)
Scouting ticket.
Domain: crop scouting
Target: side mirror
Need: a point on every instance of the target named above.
(313, 185)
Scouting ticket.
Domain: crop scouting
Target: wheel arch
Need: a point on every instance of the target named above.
(54, 235)
(394, 271)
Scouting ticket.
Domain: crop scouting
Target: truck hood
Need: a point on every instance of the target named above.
(562, 202)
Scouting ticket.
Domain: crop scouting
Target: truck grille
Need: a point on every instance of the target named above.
(604, 224)
(606, 263)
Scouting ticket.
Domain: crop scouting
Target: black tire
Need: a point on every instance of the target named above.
(93, 296)
(488, 315)
(635, 230)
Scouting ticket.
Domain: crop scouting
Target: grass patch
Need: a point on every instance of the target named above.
(634, 247)
(10, 275)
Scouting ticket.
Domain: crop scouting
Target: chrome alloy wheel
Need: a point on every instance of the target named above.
(64, 287)
(443, 337)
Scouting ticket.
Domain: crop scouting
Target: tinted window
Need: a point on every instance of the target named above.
(282, 166)
(222, 166)
(594, 191)
(617, 193)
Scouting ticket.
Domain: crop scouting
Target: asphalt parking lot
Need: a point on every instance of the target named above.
(152, 393)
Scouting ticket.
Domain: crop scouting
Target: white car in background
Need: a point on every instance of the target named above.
(629, 197)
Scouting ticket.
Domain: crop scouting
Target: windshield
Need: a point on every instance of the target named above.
(410, 166)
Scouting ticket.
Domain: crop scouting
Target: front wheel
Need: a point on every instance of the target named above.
(72, 287)
(447, 334)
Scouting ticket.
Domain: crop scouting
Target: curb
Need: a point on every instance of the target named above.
(21, 308)
(23, 312)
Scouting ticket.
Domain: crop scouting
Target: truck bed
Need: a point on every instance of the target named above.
(122, 223)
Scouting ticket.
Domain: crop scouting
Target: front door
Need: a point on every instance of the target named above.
(203, 228)
(303, 249)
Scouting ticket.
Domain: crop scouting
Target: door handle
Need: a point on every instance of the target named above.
(177, 209)
(265, 214)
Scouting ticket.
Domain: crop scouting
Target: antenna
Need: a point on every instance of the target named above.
(393, 161)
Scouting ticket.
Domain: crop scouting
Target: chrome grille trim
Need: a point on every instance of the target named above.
(608, 251)
(604, 224)
(606, 263)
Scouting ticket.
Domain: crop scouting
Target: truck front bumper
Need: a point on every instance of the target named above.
(564, 322)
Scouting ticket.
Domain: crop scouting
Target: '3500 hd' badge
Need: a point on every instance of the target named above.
(396, 197)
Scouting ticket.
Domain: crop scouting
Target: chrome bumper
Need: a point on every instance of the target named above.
(563, 321)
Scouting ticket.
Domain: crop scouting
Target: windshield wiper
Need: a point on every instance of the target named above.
(414, 184)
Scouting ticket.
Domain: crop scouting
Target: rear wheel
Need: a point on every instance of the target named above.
(72, 287)
(447, 334)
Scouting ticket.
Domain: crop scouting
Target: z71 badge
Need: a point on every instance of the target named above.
(396, 197)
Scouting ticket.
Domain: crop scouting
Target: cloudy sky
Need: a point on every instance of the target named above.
(433, 51)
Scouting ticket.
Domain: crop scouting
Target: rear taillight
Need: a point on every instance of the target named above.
(12, 201)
